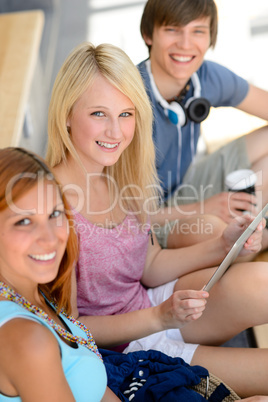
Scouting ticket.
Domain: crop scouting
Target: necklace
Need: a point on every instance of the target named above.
(89, 343)
(179, 98)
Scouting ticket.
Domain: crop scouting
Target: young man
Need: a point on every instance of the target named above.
(182, 87)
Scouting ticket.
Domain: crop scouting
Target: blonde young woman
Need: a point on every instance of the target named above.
(100, 147)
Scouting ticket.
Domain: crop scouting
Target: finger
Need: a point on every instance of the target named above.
(191, 294)
(261, 225)
(241, 196)
(239, 204)
(193, 304)
(254, 239)
(244, 220)
(252, 248)
(256, 236)
(193, 316)
(244, 207)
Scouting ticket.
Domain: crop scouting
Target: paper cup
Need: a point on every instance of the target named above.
(242, 180)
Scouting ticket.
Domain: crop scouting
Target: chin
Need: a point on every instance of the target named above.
(49, 277)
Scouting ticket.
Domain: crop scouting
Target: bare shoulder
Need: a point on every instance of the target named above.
(30, 360)
(25, 342)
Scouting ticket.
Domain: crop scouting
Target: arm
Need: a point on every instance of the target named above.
(109, 396)
(255, 102)
(222, 205)
(183, 306)
(31, 364)
(225, 205)
(182, 261)
(108, 331)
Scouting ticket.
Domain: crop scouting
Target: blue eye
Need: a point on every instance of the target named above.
(23, 222)
(99, 114)
(56, 213)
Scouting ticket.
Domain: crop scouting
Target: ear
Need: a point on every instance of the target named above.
(147, 40)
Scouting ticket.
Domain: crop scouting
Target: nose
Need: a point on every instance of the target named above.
(47, 234)
(184, 40)
(114, 131)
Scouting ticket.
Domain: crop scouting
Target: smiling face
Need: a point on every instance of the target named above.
(102, 124)
(177, 52)
(33, 236)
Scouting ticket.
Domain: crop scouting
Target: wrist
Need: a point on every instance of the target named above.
(224, 246)
(157, 318)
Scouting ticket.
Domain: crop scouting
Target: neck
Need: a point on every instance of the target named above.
(168, 86)
(73, 172)
(82, 165)
(30, 293)
(85, 175)
(88, 190)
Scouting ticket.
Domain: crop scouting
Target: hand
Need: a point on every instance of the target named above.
(236, 228)
(228, 205)
(181, 307)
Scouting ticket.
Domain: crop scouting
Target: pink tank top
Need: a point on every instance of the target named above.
(110, 266)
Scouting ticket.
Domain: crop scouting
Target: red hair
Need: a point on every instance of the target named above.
(27, 168)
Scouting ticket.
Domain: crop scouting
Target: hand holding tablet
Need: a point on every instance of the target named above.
(235, 250)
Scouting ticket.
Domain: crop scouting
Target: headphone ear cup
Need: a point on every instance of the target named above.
(198, 109)
(180, 112)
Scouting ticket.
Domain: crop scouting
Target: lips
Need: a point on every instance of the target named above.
(107, 145)
(182, 59)
(43, 257)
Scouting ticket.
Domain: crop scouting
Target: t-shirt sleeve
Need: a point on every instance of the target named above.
(221, 86)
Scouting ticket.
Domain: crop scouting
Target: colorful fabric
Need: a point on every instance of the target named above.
(87, 341)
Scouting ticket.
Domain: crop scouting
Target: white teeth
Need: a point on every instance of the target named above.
(43, 257)
(182, 59)
(107, 145)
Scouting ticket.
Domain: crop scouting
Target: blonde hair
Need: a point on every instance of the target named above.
(26, 167)
(135, 170)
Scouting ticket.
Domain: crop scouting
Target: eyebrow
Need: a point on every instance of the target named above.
(182, 26)
(29, 212)
(24, 212)
(105, 107)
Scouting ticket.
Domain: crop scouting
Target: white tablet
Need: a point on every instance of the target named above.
(235, 250)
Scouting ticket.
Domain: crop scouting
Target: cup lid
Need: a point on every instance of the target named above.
(240, 179)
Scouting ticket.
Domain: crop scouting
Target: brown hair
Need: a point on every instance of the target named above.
(178, 13)
(27, 168)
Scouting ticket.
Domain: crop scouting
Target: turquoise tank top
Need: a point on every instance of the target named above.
(83, 370)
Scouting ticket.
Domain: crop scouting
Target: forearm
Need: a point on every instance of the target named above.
(113, 330)
(167, 214)
(169, 264)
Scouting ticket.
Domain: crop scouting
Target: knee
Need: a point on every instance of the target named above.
(260, 272)
(246, 278)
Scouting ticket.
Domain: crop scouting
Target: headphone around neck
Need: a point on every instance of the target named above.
(195, 109)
